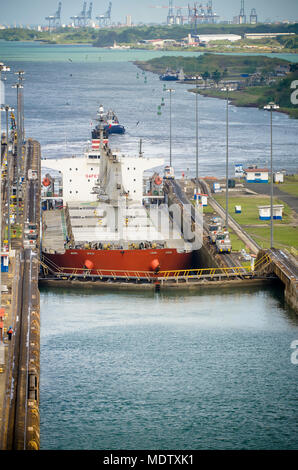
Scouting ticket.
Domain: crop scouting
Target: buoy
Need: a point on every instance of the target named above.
(154, 265)
(158, 180)
(88, 264)
(46, 181)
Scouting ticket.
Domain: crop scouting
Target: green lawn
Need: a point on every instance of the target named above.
(284, 235)
(208, 209)
(290, 185)
(249, 206)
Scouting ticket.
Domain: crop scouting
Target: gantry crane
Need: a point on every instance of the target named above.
(105, 19)
(54, 20)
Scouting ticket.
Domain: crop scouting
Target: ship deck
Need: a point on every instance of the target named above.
(93, 223)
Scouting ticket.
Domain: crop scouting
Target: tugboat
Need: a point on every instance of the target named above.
(113, 126)
(169, 76)
(110, 123)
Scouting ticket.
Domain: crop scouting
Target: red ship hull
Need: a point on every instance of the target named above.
(119, 262)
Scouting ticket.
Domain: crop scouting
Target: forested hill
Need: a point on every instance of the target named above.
(106, 37)
(233, 65)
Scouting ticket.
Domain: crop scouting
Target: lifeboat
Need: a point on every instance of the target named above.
(46, 181)
(88, 264)
(154, 265)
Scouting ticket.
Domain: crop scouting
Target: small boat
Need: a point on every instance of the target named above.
(112, 124)
(169, 76)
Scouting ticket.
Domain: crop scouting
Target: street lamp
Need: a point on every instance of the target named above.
(18, 86)
(3, 68)
(7, 109)
(269, 107)
(227, 89)
(21, 74)
(170, 90)
(197, 142)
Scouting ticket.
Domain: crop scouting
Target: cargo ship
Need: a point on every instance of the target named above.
(108, 223)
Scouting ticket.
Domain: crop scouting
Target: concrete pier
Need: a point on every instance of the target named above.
(19, 378)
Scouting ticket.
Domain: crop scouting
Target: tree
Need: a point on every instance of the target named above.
(205, 77)
(216, 76)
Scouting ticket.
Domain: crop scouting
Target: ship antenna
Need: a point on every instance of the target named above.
(140, 150)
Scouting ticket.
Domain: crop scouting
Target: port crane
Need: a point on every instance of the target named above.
(84, 17)
(198, 13)
(105, 19)
(54, 20)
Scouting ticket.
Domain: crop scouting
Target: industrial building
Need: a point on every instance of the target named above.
(205, 38)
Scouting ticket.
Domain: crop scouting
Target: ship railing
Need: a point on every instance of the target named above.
(185, 274)
(53, 267)
(209, 273)
(71, 272)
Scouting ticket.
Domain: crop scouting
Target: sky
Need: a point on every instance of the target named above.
(34, 11)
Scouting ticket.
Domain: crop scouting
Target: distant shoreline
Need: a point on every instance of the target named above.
(252, 96)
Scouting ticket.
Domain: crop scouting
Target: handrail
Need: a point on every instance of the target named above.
(180, 273)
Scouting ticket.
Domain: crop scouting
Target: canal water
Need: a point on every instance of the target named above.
(141, 370)
(175, 370)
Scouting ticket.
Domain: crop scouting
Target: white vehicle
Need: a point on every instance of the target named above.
(223, 243)
(30, 240)
(214, 228)
(30, 228)
(32, 174)
(169, 173)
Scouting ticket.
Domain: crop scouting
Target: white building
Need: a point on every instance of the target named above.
(256, 175)
(218, 37)
(278, 177)
(265, 212)
(265, 35)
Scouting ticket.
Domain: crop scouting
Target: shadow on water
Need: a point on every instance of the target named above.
(275, 291)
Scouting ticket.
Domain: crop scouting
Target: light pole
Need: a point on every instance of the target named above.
(7, 109)
(271, 106)
(171, 90)
(21, 74)
(18, 86)
(197, 142)
(3, 68)
(227, 89)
